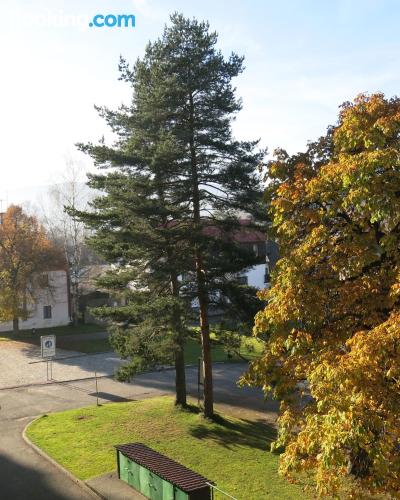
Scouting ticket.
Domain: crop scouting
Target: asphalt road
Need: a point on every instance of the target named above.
(26, 475)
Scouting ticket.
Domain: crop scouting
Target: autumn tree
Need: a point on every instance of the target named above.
(25, 253)
(333, 315)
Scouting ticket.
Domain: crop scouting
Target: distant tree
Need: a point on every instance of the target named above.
(333, 314)
(175, 142)
(25, 253)
(68, 232)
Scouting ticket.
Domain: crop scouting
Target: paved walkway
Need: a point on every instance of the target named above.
(23, 473)
(109, 486)
(21, 364)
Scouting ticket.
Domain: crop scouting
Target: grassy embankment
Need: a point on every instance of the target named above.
(232, 452)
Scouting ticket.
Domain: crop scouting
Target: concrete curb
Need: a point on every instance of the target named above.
(52, 382)
(73, 478)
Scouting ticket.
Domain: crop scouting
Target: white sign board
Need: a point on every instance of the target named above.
(48, 345)
(201, 372)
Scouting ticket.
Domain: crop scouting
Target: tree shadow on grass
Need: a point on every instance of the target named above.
(231, 434)
(21, 338)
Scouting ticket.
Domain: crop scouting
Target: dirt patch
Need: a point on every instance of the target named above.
(84, 417)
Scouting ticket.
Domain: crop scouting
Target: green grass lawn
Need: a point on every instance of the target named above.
(85, 345)
(68, 337)
(232, 452)
(250, 349)
(56, 330)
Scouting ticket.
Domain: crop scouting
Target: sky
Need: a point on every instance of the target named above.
(303, 59)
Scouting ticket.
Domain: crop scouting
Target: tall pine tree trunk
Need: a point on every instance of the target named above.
(180, 375)
(205, 338)
(15, 326)
(202, 293)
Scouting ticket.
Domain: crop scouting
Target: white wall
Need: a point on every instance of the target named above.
(56, 297)
(256, 276)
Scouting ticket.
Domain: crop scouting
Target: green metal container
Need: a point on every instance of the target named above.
(158, 477)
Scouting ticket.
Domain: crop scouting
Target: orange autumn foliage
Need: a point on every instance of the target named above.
(332, 319)
(25, 253)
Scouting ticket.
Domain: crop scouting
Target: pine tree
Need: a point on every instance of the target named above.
(132, 233)
(215, 173)
(136, 228)
(182, 174)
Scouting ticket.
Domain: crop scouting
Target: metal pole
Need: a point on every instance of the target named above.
(213, 487)
(97, 389)
(198, 382)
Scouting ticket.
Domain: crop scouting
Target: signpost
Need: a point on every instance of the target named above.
(200, 378)
(48, 347)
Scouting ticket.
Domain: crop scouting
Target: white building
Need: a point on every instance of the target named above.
(52, 306)
(266, 250)
(258, 276)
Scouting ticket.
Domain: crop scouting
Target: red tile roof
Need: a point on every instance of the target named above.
(244, 235)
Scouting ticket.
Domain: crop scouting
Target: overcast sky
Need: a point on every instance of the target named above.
(303, 58)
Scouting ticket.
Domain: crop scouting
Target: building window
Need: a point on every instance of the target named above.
(47, 312)
(44, 280)
(242, 280)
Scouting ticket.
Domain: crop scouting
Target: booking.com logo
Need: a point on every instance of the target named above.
(113, 21)
(59, 19)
